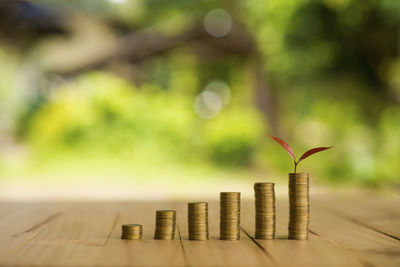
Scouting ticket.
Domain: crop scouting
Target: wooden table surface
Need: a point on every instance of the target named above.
(345, 231)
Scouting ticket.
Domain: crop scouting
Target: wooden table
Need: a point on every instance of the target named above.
(345, 231)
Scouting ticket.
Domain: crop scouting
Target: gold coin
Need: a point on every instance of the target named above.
(230, 215)
(165, 224)
(131, 231)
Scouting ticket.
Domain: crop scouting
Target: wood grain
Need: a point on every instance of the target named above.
(244, 252)
(371, 247)
(313, 252)
(344, 233)
(382, 215)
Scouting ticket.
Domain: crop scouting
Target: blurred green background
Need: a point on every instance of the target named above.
(184, 94)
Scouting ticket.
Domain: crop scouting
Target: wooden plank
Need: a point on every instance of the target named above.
(314, 252)
(389, 227)
(215, 252)
(89, 235)
(364, 206)
(58, 239)
(383, 203)
(22, 224)
(145, 252)
(379, 213)
(371, 247)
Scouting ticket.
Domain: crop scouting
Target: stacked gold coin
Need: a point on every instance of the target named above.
(131, 231)
(265, 210)
(299, 206)
(198, 220)
(230, 216)
(165, 224)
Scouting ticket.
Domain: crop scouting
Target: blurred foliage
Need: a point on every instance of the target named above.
(8, 98)
(332, 70)
(305, 38)
(332, 65)
(230, 140)
(101, 113)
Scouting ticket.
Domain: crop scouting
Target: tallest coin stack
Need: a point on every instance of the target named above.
(299, 203)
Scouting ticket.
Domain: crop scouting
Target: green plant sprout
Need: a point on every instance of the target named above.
(304, 156)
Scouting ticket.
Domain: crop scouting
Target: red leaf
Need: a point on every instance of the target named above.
(313, 151)
(285, 146)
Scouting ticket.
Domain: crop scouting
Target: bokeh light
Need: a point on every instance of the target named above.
(220, 88)
(218, 22)
(117, 1)
(207, 104)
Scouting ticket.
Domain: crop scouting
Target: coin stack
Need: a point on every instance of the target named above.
(165, 224)
(230, 216)
(198, 220)
(299, 203)
(131, 231)
(265, 210)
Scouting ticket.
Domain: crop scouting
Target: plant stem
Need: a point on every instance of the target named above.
(295, 166)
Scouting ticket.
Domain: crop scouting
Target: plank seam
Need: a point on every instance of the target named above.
(116, 219)
(360, 260)
(258, 245)
(360, 223)
(26, 242)
(41, 223)
(314, 233)
(371, 227)
(185, 257)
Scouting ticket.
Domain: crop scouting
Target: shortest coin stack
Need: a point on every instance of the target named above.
(265, 210)
(165, 224)
(198, 220)
(131, 231)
